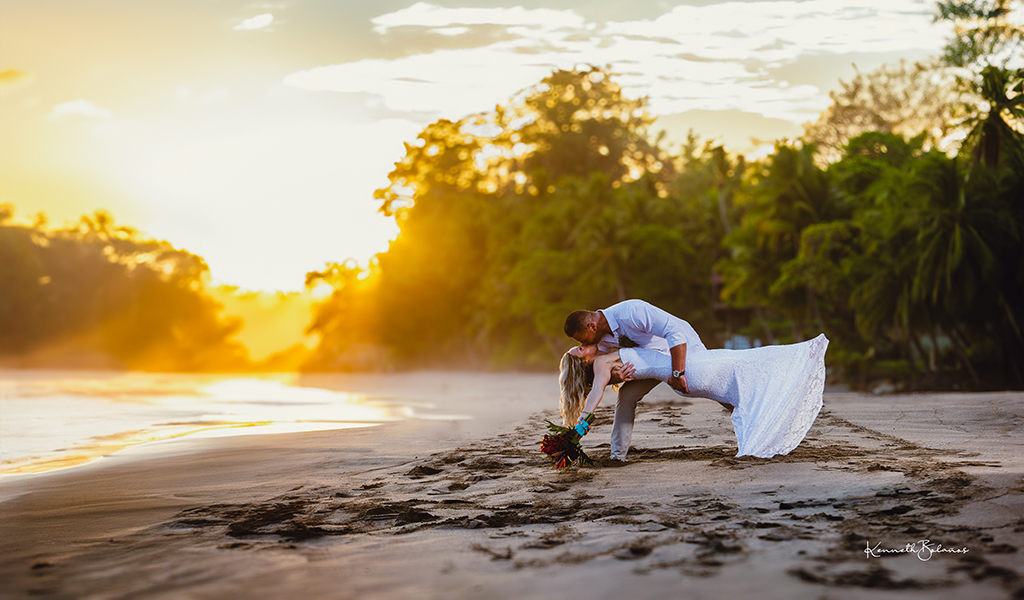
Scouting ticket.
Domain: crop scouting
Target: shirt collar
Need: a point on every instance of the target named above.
(612, 322)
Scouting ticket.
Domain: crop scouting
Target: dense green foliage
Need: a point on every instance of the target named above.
(511, 219)
(907, 258)
(896, 227)
(99, 289)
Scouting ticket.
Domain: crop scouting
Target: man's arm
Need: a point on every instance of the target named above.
(651, 319)
(622, 372)
(679, 365)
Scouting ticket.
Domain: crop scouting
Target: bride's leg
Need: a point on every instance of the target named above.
(625, 412)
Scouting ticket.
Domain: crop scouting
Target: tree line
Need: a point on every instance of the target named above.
(96, 294)
(903, 246)
(895, 225)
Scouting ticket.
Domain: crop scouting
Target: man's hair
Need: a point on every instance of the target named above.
(577, 322)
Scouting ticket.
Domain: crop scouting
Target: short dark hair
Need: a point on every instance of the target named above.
(577, 322)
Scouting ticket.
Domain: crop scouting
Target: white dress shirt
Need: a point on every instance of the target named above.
(648, 326)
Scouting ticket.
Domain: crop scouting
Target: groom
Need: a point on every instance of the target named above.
(635, 323)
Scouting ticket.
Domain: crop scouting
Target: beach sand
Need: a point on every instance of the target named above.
(472, 509)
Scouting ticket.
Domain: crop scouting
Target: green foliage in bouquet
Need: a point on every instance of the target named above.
(563, 445)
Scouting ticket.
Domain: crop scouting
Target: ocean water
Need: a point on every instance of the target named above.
(59, 419)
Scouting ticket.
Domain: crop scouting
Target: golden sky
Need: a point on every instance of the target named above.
(254, 133)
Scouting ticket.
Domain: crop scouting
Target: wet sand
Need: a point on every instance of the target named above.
(437, 509)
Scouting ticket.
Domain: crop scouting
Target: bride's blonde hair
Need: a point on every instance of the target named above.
(574, 382)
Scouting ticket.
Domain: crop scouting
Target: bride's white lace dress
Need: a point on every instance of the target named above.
(776, 389)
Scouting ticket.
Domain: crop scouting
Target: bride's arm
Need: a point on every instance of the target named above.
(602, 375)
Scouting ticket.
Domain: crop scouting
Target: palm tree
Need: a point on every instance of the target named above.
(791, 193)
(982, 31)
(993, 129)
(957, 248)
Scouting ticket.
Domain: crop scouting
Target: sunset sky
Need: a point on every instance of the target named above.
(254, 133)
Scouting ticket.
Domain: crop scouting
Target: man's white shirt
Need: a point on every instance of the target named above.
(648, 326)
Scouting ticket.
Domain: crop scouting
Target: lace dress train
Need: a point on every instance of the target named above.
(776, 390)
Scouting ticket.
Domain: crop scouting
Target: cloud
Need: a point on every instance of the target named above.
(454, 83)
(80, 108)
(445, 83)
(423, 14)
(215, 95)
(257, 22)
(450, 31)
(711, 57)
(783, 30)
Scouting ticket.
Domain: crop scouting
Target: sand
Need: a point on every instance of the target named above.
(472, 509)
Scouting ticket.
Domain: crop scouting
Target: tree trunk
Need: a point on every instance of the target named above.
(764, 325)
(797, 329)
(934, 356)
(924, 357)
(988, 145)
(904, 348)
(620, 289)
(812, 304)
(1017, 375)
(722, 213)
(1009, 317)
(962, 353)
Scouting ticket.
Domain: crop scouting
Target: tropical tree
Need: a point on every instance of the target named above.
(903, 99)
(998, 126)
(963, 232)
(984, 33)
(531, 204)
(789, 192)
(96, 288)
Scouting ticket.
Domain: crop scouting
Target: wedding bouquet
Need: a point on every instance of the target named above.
(563, 445)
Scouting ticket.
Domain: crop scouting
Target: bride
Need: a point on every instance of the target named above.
(774, 392)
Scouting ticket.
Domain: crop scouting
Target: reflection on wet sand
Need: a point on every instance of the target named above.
(54, 420)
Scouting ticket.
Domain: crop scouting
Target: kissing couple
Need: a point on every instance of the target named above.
(773, 392)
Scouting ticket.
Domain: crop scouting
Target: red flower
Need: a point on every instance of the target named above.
(563, 445)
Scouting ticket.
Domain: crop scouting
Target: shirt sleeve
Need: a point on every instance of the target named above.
(656, 321)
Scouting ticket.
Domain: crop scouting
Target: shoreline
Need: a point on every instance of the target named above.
(61, 419)
(462, 510)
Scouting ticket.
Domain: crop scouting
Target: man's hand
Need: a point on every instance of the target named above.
(680, 384)
(624, 372)
(679, 366)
